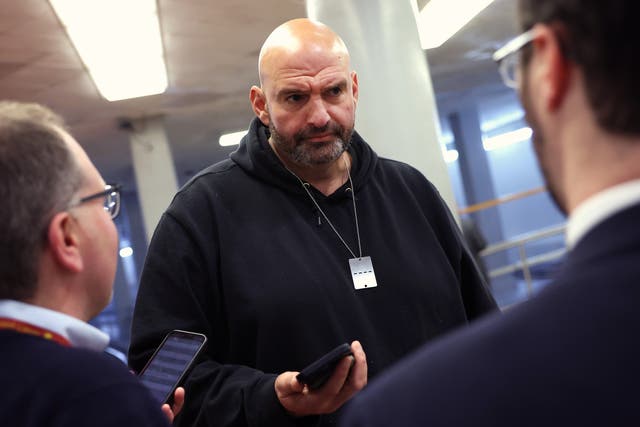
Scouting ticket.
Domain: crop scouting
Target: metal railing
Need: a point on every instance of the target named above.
(525, 262)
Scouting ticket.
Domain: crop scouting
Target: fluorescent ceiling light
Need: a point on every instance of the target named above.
(507, 138)
(450, 156)
(446, 139)
(441, 19)
(126, 252)
(231, 138)
(502, 120)
(119, 41)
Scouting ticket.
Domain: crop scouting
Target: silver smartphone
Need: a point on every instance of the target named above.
(171, 362)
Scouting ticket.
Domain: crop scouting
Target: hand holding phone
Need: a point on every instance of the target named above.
(318, 372)
(171, 362)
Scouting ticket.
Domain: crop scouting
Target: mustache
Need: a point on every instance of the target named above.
(312, 131)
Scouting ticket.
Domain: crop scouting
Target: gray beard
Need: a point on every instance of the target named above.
(305, 154)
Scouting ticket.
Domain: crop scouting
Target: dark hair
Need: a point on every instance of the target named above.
(38, 177)
(598, 35)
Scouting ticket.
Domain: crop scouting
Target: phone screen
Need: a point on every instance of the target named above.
(171, 362)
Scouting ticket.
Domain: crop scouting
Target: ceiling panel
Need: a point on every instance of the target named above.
(211, 49)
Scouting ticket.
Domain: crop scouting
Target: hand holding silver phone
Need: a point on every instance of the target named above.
(171, 362)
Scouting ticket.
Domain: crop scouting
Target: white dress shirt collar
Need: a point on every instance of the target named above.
(599, 207)
(80, 334)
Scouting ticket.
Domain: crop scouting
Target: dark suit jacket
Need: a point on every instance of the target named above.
(569, 357)
(45, 384)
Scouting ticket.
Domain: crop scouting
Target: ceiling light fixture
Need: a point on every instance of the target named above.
(126, 252)
(507, 138)
(119, 41)
(441, 19)
(450, 156)
(233, 138)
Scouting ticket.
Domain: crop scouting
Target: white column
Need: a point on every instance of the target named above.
(154, 169)
(396, 112)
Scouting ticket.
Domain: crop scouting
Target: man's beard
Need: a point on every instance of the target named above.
(539, 145)
(302, 152)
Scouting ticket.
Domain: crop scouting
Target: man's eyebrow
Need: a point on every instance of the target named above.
(295, 90)
(339, 84)
(289, 91)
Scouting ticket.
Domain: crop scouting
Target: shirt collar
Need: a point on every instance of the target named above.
(599, 207)
(79, 333)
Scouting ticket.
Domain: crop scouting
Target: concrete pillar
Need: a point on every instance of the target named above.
(154, 169)
(121, 307)
(478, 187)
(474, 169)
(396, 111)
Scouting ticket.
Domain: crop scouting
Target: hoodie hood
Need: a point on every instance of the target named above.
(255, 157)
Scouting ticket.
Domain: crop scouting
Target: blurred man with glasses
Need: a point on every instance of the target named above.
(569, 356)
(58, 249)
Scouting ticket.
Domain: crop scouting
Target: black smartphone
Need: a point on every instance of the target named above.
(171, 362)
(317, 373)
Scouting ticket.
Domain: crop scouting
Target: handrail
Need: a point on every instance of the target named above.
(500, 200)
(525, 238)
(525, 263)
(534, 260)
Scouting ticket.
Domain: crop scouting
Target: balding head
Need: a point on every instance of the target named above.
(39, 175)
(307, 95)
(295, 37)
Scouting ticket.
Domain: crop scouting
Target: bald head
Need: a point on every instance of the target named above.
(307, 95)
(296, 37)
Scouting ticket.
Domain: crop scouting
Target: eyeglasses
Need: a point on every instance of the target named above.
(111, 195)
(508, 58)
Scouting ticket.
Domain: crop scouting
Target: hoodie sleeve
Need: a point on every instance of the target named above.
(474, 289)
(179, 289)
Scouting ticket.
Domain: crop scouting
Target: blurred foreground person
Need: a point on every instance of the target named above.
(569, 356)
(58, 249)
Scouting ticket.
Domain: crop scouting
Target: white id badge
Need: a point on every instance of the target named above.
(362, 273)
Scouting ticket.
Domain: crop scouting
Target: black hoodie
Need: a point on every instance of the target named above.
(244, 256)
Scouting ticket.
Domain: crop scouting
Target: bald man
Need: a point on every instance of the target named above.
(302, 240)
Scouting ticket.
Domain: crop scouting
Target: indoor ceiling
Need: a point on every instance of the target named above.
(211, 49)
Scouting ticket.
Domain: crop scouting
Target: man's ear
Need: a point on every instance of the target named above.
(259, 104)
(354, 85)
(63, 242)
(555, 69)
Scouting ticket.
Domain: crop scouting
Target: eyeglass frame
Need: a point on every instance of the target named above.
(108, 190)
(510, 49)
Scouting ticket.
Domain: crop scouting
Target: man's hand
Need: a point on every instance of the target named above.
(349, 377)
(178, 400)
